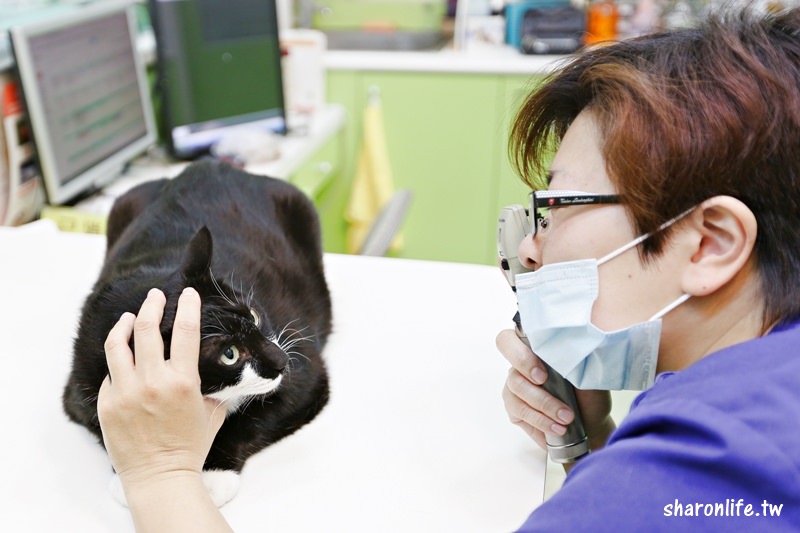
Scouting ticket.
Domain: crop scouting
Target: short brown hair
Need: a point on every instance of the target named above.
(687, 115)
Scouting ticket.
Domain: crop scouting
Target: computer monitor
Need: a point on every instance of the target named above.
(219, 68)
(86, 94)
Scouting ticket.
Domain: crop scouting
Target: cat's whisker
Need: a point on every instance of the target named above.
(294, 338)
(219, 288)
(251, 399)
(250, 295)
(299, 354)
(289, 344)
(89, 399)
(286, 346)
(290, 338)
(297, 336)
(219, 323)
(293, 332)
(287, 327)
(218, 406)
(290, 349)
(232, 284)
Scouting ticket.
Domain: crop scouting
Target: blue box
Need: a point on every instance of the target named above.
(514, 13)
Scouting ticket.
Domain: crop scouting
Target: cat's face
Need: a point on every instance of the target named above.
(240, 356)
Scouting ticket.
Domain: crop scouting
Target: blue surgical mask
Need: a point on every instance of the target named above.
(555, 306)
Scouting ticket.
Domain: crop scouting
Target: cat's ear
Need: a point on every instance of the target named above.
(196, 264)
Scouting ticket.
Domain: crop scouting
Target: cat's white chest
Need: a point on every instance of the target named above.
(250, 384)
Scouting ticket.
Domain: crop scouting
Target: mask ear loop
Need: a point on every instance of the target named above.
(670, 307)
(637, 241)
(641, 238)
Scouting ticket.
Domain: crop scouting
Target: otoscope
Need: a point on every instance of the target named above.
(512, 226)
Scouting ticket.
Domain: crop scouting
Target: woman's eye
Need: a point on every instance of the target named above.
(256, 318)
(230, 355)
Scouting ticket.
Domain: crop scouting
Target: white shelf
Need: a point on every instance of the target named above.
(490, 60)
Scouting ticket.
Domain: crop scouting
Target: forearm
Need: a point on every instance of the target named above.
(176, 503)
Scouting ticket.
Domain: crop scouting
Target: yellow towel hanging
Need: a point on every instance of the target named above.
(373, 184)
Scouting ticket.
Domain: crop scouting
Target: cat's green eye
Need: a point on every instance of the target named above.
(256, 318)
(230, 355)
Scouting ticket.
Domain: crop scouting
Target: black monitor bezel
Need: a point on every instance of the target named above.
(167, 122)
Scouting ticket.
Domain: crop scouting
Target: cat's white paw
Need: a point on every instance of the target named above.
(116, 490)
(222, 485)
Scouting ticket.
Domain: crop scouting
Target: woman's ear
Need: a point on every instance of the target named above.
(723, 231)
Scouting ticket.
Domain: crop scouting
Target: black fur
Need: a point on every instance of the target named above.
(266, 256)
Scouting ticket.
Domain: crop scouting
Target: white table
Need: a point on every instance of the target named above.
(414, 439)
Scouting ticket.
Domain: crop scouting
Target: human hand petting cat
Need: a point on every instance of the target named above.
(157, 427)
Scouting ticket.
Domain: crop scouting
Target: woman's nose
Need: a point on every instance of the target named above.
(528, 253)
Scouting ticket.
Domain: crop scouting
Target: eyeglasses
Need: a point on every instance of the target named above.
(542, 201)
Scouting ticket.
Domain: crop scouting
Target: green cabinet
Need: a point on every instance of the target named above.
(511, 190)
(318, 178)
(446, 134)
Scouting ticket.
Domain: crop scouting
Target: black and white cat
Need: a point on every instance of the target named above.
(250, 245)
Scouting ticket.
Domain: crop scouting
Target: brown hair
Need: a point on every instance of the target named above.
(684, 116)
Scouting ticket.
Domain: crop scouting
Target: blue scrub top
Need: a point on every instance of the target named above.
(714, 447)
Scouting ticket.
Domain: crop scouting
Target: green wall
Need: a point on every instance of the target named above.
(446, 135)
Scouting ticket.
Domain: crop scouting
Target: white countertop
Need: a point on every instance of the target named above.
(495, 60)
(414, 439)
